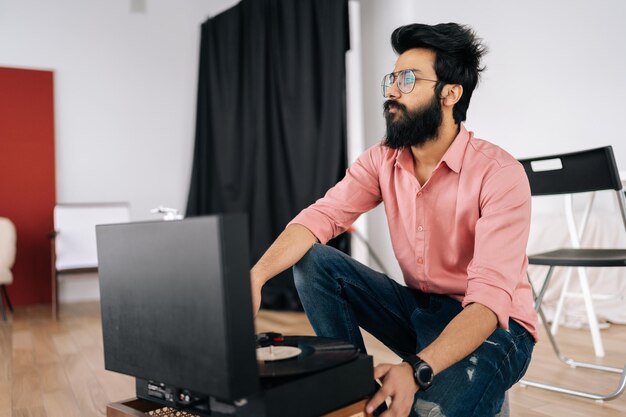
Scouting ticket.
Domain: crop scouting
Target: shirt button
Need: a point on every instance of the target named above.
(419, 194)
(420, 228)
(420, 260)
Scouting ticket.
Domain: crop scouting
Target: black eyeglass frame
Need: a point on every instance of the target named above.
(395, 79)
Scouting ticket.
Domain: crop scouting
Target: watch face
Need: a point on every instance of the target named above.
(422, 372)
(424, 375)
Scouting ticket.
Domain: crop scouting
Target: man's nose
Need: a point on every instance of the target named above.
(393, 91)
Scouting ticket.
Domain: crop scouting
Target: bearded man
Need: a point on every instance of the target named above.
(458, 210)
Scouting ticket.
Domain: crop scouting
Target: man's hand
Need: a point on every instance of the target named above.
(292, 244)
(397, 383)
(255, 286)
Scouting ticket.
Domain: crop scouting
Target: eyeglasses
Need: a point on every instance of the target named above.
(406, 81)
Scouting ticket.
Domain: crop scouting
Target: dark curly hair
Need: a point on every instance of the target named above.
(458, 53)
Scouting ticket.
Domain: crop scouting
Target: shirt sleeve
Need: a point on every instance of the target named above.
(358, 192)
(501, 237)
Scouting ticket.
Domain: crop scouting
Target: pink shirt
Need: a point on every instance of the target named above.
(463, 233)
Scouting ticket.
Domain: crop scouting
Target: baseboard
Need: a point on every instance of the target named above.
(77, 288)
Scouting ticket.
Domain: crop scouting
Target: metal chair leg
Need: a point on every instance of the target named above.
(571, 362)
(6, 296)
(4, 315)
(54, 276)
(621, 386)
(594, 328)
(544, 287)
(561, 303)
(582, 394)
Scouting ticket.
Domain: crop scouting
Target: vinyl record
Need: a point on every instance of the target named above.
(273, 353)
(318, 353)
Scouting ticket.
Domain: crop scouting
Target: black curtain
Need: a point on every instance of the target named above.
(271, 118)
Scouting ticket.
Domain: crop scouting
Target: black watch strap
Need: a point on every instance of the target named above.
(422, 372)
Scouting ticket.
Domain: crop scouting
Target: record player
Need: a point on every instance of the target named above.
(177, 315)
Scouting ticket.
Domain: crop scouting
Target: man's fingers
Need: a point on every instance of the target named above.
(376, 400)
(380, 396)
(381, 370)
(395, 386)
(400, 407)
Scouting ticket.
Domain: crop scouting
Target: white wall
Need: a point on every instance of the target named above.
(125, 92)
(125, 97)
(555, 80)
(354, 110)
(125, 84)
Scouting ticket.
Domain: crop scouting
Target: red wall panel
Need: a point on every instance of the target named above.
(27, 179)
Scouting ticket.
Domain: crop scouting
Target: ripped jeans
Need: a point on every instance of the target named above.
(339, 294)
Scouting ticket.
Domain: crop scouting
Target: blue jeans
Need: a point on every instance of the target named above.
(339, 294)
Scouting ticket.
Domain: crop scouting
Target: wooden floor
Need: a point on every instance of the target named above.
(56, 369)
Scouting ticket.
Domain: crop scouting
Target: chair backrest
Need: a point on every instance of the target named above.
(8, 241)
(75, 225)
(576, 172)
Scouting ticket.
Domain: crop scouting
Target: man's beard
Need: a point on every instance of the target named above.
(411, 128)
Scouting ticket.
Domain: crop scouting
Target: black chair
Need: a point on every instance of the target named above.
(577, 172)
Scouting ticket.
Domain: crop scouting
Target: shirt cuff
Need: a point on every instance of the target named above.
(495, 299)
(316, 225)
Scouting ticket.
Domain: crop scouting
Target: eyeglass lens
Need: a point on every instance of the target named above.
(406, 81)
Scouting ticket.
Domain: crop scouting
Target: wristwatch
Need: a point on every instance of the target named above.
(422, 372)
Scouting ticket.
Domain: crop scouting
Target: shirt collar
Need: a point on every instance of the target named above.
(453, 156)
(456, 151)
(404, 159)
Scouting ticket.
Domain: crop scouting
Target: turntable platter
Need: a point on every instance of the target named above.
(316, 354)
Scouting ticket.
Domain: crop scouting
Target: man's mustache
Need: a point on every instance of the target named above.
(387, 105)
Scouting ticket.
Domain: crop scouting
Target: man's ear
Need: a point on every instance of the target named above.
(451, 94)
